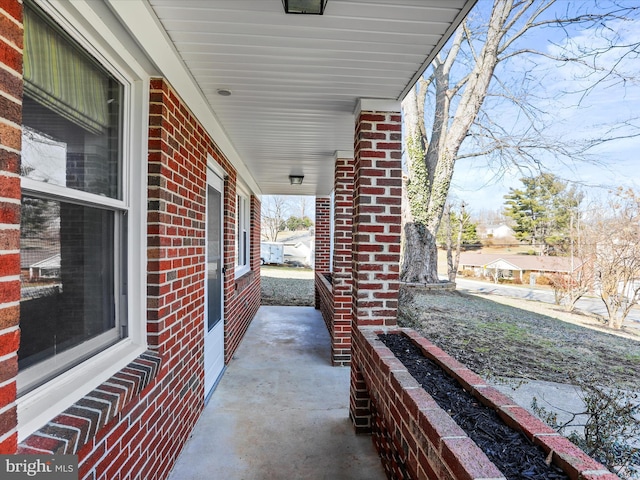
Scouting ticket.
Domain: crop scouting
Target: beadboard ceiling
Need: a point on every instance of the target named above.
(296, 79)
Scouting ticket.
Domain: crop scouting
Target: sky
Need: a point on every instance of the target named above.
(569, 116)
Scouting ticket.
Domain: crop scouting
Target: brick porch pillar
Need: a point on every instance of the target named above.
(323, 239)
(376, 235)
(342, 259)
(377, 212)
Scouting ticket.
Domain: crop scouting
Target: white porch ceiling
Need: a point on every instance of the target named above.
(296, 79)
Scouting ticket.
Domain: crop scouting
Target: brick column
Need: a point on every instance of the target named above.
(377, 212)
(11, 45)
(342, 259)
(323, 239)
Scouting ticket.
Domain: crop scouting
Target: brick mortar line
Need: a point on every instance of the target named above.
(9, 42)
(4, 121)
(12, 329)
(9, 434)
(8, 174)
(8, 407)
(13, 99)
(9, 149)
(9, 278)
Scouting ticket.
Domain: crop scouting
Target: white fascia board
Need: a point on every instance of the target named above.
(376, 105)
(343, 154)
(141, 22)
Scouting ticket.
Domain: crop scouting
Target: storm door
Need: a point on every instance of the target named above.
(214, 301)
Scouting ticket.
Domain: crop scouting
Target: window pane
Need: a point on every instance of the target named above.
(242, 219)
(71, 113)
(214, 258)
(67, 278)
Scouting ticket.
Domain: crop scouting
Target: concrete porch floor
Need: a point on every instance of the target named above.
(280, 411)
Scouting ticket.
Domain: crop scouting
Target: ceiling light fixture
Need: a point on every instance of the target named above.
(306, 7)
(296, 179)
(224, 92)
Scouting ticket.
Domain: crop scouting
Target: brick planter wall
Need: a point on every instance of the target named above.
(324, 300)
(417, 439)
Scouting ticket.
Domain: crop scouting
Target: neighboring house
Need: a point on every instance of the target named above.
(140, 135)
(516, 266)
(34, 253)
(48, 268)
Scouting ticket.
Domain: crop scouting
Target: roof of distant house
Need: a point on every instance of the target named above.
(521, 262)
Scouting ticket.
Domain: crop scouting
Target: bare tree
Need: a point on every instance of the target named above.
(616, 237)
(570, 287)
(274, 209)
(302, 205)
(457, 221)
(456, 88)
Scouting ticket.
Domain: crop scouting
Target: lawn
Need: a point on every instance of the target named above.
(498, 340)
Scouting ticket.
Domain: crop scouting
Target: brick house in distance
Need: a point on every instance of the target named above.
(136, 140)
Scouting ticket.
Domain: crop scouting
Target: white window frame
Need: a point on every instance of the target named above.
(96, 30)
(243, 227)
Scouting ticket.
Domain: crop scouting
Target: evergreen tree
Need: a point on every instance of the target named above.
(542, 212)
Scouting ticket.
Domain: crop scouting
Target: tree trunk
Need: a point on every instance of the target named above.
(456, 260)
(420, 246)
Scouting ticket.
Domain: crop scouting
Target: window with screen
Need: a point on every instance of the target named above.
(242, 237)
(73, 233)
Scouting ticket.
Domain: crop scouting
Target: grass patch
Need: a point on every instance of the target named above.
(505, 341)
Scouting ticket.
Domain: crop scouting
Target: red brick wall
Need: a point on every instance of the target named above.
(10, 132)
(376, 217)
(135, 424)
(242, 295)
(179, 148)
(417, 439)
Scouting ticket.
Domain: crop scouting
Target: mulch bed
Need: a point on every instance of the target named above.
(511, 452)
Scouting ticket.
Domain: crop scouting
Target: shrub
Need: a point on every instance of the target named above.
(543, 280)
(611, 431)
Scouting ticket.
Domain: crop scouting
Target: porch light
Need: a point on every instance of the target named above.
(307, 7)
(296, 179)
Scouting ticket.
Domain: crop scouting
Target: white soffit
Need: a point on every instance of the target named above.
(295, 80)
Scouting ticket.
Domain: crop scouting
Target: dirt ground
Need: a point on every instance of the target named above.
(501, 337)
